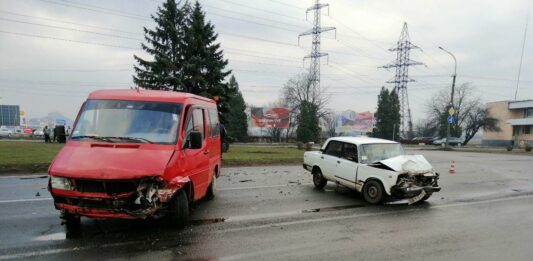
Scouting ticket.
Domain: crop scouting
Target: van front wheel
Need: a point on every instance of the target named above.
(179, 209)
(210, 194)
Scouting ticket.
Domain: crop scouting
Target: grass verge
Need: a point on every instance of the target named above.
(34, 157)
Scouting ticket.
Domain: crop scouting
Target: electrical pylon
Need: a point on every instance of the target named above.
(401, 78)
(315, 55)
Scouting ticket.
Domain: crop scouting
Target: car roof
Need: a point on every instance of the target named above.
(145, 95)
(362, 140)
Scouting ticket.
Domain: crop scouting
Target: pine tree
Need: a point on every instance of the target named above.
(166, 43)
(236, 120)
(204, 65)
(387, 115)
(308, 128)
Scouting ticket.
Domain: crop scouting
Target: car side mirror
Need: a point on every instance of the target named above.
(322, 150)
(195, 140)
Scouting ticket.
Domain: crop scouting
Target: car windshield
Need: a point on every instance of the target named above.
(380, 151)
(128, 121)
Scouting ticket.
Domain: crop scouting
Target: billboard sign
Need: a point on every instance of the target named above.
(261, 117)
(351, 121)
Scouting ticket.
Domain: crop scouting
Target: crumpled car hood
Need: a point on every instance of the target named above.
(414, 164)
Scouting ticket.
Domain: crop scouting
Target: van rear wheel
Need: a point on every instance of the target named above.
(179, 209)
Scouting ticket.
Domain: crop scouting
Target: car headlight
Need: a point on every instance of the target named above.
(61, 183)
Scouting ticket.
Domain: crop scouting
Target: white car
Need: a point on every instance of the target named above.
(5, 132)
(376, 168)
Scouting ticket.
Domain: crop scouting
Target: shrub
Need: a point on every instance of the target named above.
(509, 148)
(528, 147)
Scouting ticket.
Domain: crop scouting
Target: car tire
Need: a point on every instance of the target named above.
(373, 192)
(211, 190)
(179, 209)
(318, 179)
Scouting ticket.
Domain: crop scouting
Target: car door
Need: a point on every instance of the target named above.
(329, 159)
(347, 164)
(197, 160)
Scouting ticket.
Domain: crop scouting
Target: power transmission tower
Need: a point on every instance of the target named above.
(402, 63)
(315, 55)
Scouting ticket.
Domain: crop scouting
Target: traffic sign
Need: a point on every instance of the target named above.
(450, 119)
(451, 111)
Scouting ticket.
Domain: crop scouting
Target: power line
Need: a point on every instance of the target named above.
(67, 40)
(261, 10)
(81, 6)
(70, 29)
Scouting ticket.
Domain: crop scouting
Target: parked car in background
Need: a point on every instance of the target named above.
(5, 132)
(38, 132)
(422, 140)
(377, 168)
(454, 141)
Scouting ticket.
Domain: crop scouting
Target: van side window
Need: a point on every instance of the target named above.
(334, 148)
(198, 115)
(214, 125)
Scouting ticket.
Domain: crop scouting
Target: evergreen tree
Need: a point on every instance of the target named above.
(236, 120)
(186, 56)
(166, 43)
(387, 115)
(204, 65)
(308, 124)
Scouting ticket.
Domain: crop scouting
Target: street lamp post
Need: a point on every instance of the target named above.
(451, 97)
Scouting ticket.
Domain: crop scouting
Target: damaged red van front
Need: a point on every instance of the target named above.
(137, 154)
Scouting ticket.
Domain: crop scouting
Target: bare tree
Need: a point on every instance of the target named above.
(330, 122)
(297, 91)
(469, 115)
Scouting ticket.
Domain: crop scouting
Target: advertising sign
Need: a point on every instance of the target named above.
(269, 117)
(351, 121)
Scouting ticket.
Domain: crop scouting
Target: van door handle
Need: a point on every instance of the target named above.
(206, 152)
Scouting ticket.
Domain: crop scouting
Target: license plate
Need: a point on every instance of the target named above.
(417, 198)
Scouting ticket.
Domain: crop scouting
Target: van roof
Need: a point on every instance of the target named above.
(144, 95)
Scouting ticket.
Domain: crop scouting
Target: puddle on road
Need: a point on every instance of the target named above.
(49, 237)
(209, 221)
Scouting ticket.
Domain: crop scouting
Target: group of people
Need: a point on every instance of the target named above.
(59, 132)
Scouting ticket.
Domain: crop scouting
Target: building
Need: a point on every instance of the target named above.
(515, 121)
(9, 115)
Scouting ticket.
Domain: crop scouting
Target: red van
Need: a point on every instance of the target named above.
(135, 154)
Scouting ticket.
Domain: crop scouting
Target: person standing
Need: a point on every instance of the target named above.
(46, 132)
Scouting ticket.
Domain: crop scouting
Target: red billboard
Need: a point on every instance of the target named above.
(269, 118)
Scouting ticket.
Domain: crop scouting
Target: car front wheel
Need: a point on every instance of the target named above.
(179, 209)
(373, 192)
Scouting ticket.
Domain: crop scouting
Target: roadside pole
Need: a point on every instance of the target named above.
(451, 110)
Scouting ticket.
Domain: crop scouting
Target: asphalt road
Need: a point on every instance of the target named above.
(484, 212)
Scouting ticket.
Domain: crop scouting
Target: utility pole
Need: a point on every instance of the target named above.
(401, 78)
(451, 109)
(315, 55)
(521, 58)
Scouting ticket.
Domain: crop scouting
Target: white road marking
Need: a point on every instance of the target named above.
(24, 200)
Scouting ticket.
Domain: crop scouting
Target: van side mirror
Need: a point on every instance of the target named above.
(195, 140)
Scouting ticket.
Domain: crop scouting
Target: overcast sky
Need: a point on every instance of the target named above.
(54, 52)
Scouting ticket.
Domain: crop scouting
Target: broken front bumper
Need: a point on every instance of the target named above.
(409, 192)
(124, 199)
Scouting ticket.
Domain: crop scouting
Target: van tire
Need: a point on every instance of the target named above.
(179, 209)
(318, 179)
(211, 190)
(72, 225)
(373, 192)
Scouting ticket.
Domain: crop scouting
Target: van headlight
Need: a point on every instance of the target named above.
(61, 183)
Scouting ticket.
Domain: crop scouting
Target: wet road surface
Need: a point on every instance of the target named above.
(484, 212)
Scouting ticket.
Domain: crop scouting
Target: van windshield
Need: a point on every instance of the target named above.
(128, 121)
